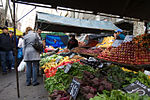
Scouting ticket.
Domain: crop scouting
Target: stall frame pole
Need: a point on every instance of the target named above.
(16, 67)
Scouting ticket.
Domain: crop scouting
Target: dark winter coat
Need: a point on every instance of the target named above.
(72, 44)
(6, 43)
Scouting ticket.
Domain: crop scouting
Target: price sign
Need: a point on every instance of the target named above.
(92, 59)
(117, 43)
(128, 38)
(74, 88)
(93, 48)
(57, 60)
(137, 87)
(101, 65)
(72, 55)
(60, 67)
(68, 66)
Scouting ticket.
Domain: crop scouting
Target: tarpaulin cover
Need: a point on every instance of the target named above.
(82, 23)
(61, 41)
(128, 8)
(43, 35)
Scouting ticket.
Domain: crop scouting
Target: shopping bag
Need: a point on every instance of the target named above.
(20, 54)
(22, 66)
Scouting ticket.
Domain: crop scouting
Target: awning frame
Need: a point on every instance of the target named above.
(85, 12)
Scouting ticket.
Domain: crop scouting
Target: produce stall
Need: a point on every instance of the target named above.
(109, 82)
(106, 70)
(114, 73)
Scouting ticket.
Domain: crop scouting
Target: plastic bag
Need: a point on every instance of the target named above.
(22, 66)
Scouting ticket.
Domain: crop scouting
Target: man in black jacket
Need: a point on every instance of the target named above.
(6, 47)
(72, 43)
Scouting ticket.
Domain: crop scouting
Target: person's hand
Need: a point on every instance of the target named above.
(115, 35)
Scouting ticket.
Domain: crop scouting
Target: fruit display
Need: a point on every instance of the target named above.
(63, 51)
(47, 59)
(77, 49)
(43, 55)
(127, 70)
(127, 53)
(92, 52)
(142, 40)
(107, 42)
(50, 64)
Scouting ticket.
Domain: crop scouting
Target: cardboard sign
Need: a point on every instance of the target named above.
(117, 43)
(68, 66)
(137, 87)
(128, 38)
(74, 88)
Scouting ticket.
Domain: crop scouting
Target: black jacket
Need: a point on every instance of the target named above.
(72, 44)
(6, 43)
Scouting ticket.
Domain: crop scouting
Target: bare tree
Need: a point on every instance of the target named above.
(5, 14)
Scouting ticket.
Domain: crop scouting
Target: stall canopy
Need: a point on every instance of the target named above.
(128, 8)
(49, 22)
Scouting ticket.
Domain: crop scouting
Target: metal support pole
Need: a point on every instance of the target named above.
(26, 14)
(16, 68)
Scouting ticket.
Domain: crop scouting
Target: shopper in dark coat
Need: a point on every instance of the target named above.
(31, 56)
(6, 48)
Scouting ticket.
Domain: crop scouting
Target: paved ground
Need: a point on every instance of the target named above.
(8, 89)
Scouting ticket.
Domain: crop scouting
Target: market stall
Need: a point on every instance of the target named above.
(100, 69)
(78, 80)
(104, 74)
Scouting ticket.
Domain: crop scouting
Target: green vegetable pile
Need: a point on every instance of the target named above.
(120, 78)
(142, 78)
(91, 80)
(77, 70)
(61, 80)
(119, 95)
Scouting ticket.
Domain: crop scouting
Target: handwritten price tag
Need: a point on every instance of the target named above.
(74, 88)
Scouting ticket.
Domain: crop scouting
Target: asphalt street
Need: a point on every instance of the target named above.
(8, 90)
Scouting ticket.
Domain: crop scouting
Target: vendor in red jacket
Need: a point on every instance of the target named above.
(72, 43)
